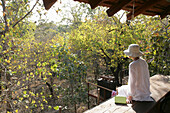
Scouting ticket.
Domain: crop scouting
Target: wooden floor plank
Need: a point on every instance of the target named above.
(119, 109)
(103, 106)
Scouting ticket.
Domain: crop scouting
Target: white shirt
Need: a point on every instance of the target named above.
(138, 83)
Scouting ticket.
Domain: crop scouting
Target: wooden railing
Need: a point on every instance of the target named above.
(98, 93)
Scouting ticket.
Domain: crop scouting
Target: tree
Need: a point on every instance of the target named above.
(12, 17)
(158, 52)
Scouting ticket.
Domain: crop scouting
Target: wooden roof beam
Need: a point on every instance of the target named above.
(116, 7)
(48, 3)
(94, 3)
(142, 8)
(166, 12)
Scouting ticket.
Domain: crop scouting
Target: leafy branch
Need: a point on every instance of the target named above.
(5, 18)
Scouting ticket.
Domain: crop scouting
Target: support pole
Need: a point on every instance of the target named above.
(98, 97)
(88, 96)
(104, 94)
(60, 109)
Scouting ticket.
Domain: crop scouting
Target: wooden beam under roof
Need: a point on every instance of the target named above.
(94, 3)
(142, 8)
(166, 12)
(116, 7)
(147, 7)
(48, 3)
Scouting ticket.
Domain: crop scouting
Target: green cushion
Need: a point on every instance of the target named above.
(120, 100)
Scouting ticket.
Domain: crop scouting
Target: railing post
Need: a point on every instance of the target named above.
(88, 96)
(60, 109)
(104, 94)
(98, 96)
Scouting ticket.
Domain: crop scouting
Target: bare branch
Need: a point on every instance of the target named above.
(114, 20)
(162, 22)
(25, 15)
(105, 53)
(121, 16)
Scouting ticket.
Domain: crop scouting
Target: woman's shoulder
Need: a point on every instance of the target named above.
(132, 64)
(142, 59)
(138, 62)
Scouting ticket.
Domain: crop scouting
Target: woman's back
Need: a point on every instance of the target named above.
(139, 74)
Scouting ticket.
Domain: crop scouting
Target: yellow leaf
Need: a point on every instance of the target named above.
(15, 102)
(21, 98)
(19, 67)
(26, 107)
(49, 73)
(37, 94)
(8, 61)
(18, 83)
(69, 47)
(3, 13)
(56, 107)
(45, 78)
(10, 58)
(57, 11)
(33, 101)
(49, 107)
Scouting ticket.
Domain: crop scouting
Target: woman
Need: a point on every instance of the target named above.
(138, 87)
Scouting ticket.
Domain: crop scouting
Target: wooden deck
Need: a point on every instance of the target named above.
(160, 85)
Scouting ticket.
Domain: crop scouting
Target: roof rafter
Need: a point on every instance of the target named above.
(94, 3)
(48, 3)
(116, 7)
(142, 8)
(135, 7)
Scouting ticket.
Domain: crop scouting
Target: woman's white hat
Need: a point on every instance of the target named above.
(133, 51)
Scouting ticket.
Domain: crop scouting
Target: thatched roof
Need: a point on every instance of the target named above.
(135, 7)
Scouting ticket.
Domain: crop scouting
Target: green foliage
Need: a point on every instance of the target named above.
(102, 41)
(159, 52)
(69, 68)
